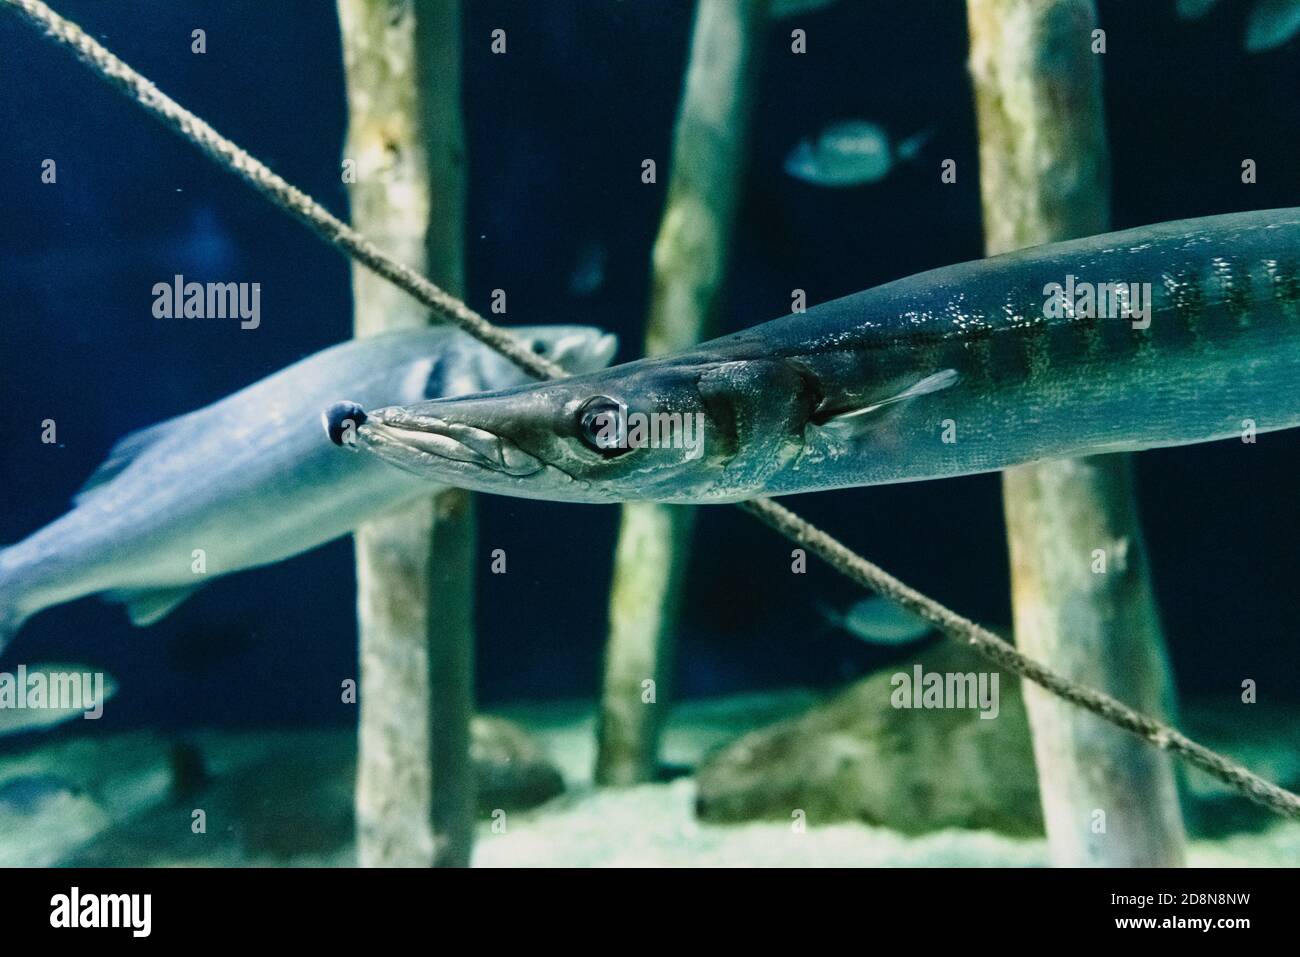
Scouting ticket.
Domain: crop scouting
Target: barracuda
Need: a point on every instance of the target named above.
(965, 369)
(250, 480)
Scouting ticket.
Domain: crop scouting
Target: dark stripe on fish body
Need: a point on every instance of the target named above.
(1075, 335)
(1234, 282)
(1010, 359)
(976, 334)
(1092, 330)
(1036, 340)
(1142, 342)
(936, 354)
(980, 360)
(926, 344)
(1115, 341)
(1284, 276)
(1188, 304)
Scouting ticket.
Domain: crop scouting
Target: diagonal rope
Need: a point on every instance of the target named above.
(334, 231)
(1161, 735)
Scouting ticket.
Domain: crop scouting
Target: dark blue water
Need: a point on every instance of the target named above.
(557, 130)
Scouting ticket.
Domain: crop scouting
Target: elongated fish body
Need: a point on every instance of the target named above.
(251, 479)
(964, 369)
(1219, 350)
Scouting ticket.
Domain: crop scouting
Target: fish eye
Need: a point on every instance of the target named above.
(539, 347)
(598, 421)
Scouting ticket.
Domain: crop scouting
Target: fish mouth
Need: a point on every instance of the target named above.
(394, 430)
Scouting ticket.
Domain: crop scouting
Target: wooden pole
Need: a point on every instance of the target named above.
(690, 258)
(1081, 592)
(406, 143)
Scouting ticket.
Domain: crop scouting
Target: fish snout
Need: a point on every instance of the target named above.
(400, 432)
(341, 421)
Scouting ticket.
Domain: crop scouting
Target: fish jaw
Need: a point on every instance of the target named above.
(502, 442)
(446, 453)
(438, 439)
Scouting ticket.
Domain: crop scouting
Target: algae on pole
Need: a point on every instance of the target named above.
(415, 575)
(1081, 593)
(690, 259)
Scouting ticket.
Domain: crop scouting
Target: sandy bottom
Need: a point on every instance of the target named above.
(655, 825)
(280, 798)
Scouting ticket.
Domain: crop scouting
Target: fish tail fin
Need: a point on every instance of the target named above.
(910, 148)
(831, 617)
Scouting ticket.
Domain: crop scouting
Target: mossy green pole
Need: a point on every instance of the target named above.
(690, 258)
(1081, 593)
(415, 567)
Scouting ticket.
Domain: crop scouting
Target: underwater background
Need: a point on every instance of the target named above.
(555, 138)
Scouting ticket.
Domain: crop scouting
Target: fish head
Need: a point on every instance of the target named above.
(682, 429)
(576, 349)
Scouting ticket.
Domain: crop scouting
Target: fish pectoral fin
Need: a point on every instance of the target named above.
(850, 419)
(146, 606)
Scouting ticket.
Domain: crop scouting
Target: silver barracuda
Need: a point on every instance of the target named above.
(1170, 334)
(251, 480)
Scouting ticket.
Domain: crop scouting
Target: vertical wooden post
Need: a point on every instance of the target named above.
(690, 258)
(1081, 591)
(415, 574)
